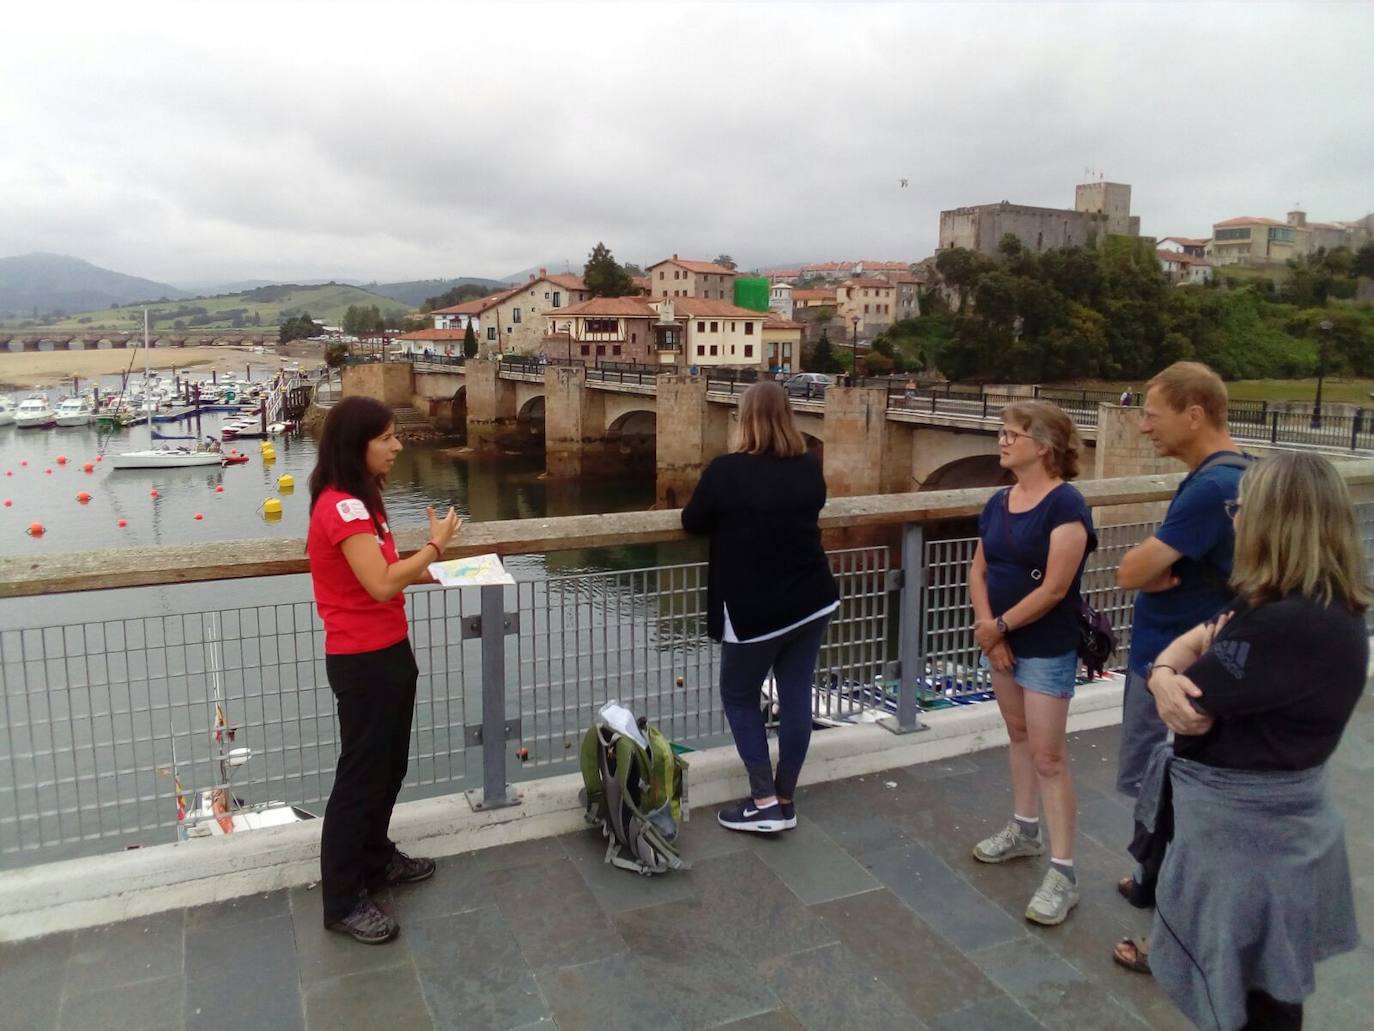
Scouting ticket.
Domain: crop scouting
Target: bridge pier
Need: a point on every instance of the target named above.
(691, 432)
(492, 409)
(864, 452)
(574, 425)
(388, 382)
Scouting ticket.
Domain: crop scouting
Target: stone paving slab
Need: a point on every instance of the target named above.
(871, 915)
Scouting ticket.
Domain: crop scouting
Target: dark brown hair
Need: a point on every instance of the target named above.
(342, 459)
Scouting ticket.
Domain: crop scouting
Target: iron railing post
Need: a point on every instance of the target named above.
(496, 792)
(1274, 427)
(910, 630)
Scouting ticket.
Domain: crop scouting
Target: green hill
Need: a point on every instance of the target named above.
(265, 307)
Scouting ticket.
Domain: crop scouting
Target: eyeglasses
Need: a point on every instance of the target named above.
(1010, 436)
(1232, 507)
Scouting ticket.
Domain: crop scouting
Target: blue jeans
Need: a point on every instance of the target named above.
(743, 668)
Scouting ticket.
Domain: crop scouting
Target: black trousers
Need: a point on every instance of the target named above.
(375, 695)
(1265, 1013)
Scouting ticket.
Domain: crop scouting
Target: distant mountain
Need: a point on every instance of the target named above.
(58, 282)
(557, 268)
(416, 291)
(213, 288)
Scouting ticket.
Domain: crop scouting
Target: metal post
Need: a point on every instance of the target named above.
(911, 631)
(496, 792)
(1274, 427)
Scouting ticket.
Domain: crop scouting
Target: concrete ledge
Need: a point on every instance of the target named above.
(103, 889)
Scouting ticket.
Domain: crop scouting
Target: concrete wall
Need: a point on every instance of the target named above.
(492, 407)
(574, 427)
(683, 453)
(390, 382)
(981, 228)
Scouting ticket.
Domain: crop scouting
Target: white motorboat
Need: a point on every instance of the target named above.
(74, 411)
(6, 412)
(34, 411)
(162, 457)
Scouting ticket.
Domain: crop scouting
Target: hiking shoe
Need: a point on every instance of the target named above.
(1052, 901)
(1008, 843)
(367, 923)
(789, 815)
(746, 816)
(404, 869)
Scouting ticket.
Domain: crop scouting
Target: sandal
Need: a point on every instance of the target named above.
(1139, 956)
(1126, 887)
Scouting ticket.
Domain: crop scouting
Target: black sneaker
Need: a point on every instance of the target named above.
(367, 923)
(789, 815)
(746, 816)
(404, 869)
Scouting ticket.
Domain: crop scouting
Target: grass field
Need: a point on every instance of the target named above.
(1350, 390)
(265, 310)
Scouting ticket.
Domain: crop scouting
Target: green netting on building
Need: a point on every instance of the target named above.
(751, 292)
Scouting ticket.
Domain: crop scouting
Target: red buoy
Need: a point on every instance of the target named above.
(61, 459)
(83, 497)
(35, 530)
(219, 488)
(100, 458)
(8, 502)
(122, 523)
(47, 472)
(153, 493)
(199, 516)
(88, 468)
(23, 461)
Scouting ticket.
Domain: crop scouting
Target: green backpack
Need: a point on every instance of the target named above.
(636, 795)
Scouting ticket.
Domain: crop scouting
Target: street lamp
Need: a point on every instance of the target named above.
(854, 348)
(1325, 326)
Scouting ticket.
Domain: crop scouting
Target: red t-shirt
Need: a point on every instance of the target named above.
(353, 620)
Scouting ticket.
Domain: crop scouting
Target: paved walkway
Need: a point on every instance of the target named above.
(870, 915)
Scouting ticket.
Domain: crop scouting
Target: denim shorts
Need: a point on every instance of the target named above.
(1054, 675)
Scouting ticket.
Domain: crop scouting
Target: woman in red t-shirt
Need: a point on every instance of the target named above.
(358, 580)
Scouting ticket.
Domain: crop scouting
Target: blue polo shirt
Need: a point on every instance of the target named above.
(1198, 528)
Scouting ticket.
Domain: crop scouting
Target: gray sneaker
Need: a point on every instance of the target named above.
(1008, 843)
(1052, 901)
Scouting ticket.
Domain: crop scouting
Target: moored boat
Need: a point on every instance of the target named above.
(34, 412)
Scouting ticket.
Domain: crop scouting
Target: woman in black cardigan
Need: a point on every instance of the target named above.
(770, 594)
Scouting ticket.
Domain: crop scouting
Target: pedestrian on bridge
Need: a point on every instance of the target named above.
(770, 595)
(358, 579)
(1033, 540)
(1254, 884)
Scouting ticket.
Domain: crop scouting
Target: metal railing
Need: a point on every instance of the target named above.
(94, 705)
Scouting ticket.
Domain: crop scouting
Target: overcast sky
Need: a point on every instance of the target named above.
(218, 141)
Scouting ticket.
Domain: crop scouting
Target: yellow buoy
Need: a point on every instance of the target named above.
(286, 483)
(269, 455)
(271, 508)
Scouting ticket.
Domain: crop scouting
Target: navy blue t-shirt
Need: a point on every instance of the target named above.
(1198, 528)
(1016, 546)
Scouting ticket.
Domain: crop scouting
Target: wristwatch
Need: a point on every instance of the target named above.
(1002, 626)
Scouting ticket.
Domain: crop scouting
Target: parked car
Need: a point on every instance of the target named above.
(808, 384)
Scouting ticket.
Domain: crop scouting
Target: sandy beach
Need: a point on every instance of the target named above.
(22, 371)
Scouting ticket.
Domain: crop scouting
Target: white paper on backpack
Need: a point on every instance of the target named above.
(621, 720)
(473, 571)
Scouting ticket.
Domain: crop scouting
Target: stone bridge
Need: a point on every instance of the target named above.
(104, 340)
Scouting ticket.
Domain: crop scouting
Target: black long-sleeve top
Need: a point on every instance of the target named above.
(766, 561)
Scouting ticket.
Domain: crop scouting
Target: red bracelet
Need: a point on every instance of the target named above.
(438, 551)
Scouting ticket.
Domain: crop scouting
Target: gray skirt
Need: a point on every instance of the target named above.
(1254, 889)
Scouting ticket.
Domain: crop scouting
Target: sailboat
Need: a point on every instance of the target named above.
(161, 457)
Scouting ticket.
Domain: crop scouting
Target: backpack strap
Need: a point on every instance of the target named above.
(1222, 460)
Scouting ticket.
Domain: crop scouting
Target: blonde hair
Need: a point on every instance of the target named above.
(765, 423)
(1185, 384)
(1297, 534)
(1050, 426)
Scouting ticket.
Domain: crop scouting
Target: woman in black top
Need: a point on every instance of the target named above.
(1255, 886)
(769, 595)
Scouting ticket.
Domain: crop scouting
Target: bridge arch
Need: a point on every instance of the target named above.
(529, 421)
(633, 437)
(970, 471)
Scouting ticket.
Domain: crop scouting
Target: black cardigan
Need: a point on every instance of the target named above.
(766, 559)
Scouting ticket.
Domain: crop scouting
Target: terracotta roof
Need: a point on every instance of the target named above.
(885, 266)
(567, 282)
(1325, 225)
(813, 295)
(881, 284)
(828, 266)
(697, 307)
(481, 304)
(909, 279)
(709, 268)
(616, 307)
(1179, 258)
(1249, 220)
(777, 322)
(1187, 241)
(434, 334)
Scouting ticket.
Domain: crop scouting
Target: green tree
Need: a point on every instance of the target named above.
(455, 295)
(823, 357)
(335, 354)
(726, 261)
(1363, 263)
(469, 342)
(603, 276)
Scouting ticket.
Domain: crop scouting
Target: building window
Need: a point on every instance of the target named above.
(546, 295)
(1282, 235)
(600, 350)
(601, 325)
(713, 350)
(515, 315)
(615, 349)
(787, 350)
(701, 350)
(660, 276)
(701, 327)
(715, 327)
(748, 350)
(586, 350)
(491, 332)
(557, 300)
(748, 329)
(634, 338)
(1233, 234)
(732, 327)
(865, 309)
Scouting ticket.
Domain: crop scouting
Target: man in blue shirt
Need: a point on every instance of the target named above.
(1180, 571)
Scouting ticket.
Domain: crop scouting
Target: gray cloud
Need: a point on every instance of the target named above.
(295, 140)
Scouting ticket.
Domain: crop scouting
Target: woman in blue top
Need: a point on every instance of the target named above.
(1033, 540)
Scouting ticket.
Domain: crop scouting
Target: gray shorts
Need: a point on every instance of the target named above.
(1141, 731)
